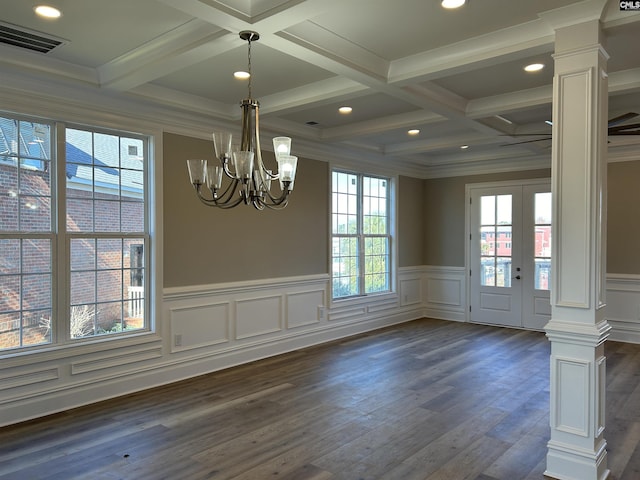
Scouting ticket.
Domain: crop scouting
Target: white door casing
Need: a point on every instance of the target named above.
(508, 254)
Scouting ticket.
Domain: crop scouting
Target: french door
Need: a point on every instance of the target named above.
(510, 254)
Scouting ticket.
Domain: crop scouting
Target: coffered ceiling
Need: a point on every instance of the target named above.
(456, 75)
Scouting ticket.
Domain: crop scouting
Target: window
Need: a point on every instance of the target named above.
(496, 222)
(542, 247)
(73, 233)
(361, 239)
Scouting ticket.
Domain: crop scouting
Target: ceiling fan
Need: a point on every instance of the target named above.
(614, 128)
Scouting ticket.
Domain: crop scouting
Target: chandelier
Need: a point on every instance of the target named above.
(248, 181)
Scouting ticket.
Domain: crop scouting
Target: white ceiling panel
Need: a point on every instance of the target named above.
(401, 64)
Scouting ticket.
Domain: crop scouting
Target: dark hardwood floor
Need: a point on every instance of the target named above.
(424, 400)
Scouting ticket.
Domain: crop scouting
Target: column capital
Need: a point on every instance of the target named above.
(576, 13)
(575, 333)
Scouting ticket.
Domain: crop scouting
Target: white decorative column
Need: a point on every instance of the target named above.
(578, 327)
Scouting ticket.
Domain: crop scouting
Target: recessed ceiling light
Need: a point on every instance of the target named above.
(452, 3)
(534, 67)
(47, 11)
(345, 110)
(464, 147)
(413, 131)
(241, 75)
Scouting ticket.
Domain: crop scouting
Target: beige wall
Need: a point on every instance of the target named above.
(410, 221)
(445, 207)
(204, 245)
(444, 203)
(623, 229)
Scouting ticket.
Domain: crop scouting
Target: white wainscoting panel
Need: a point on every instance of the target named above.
(445, 293)
(258, 316)
(623, 307)
(199, 326)
(445, 298)
(107, 362)
(11, 380)
(302, 307)
(410, 286)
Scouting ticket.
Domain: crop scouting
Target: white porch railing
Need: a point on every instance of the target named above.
(136, 302)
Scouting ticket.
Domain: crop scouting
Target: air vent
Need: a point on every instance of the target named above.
(29, 39)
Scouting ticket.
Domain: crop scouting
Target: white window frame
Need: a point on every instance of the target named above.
(391, 235)
(60, 238)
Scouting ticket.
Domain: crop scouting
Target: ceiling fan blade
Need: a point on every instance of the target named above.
(526, 141)
(621, 118)
(524, 134)
(632, 126)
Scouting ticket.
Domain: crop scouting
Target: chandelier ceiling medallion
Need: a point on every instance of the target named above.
(250, 182)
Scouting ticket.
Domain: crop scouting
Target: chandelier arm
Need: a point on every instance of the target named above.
(225, 166)
(230, 189)
(278, 200)
(278, 206)
(218, 202)
(257, 204)
(235, 203)
(261, 168)
(271, 175)
(208, 202)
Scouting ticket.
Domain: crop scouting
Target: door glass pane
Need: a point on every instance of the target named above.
(504, 210)
(488, 210)
(542, 241)
(496, 240)
(503, 241)
(487, 241)
(543, 208)
(487, 271)
(542, 274)
(503, 272)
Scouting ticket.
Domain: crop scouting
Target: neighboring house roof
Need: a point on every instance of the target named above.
(77, 157)
(91, 159)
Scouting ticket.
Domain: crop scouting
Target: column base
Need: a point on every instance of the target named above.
(564, 462)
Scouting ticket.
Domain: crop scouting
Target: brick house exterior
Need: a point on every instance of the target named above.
(104, 285)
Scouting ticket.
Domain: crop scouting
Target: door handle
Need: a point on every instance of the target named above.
(517, 277)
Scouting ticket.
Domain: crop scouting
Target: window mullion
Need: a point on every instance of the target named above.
(361, 241)
(61, 243)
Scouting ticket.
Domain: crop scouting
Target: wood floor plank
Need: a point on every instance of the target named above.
(522, 457)
(625, 436)
(425, 400)
(471, 461)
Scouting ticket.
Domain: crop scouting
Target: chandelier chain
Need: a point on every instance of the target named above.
(249, 66)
